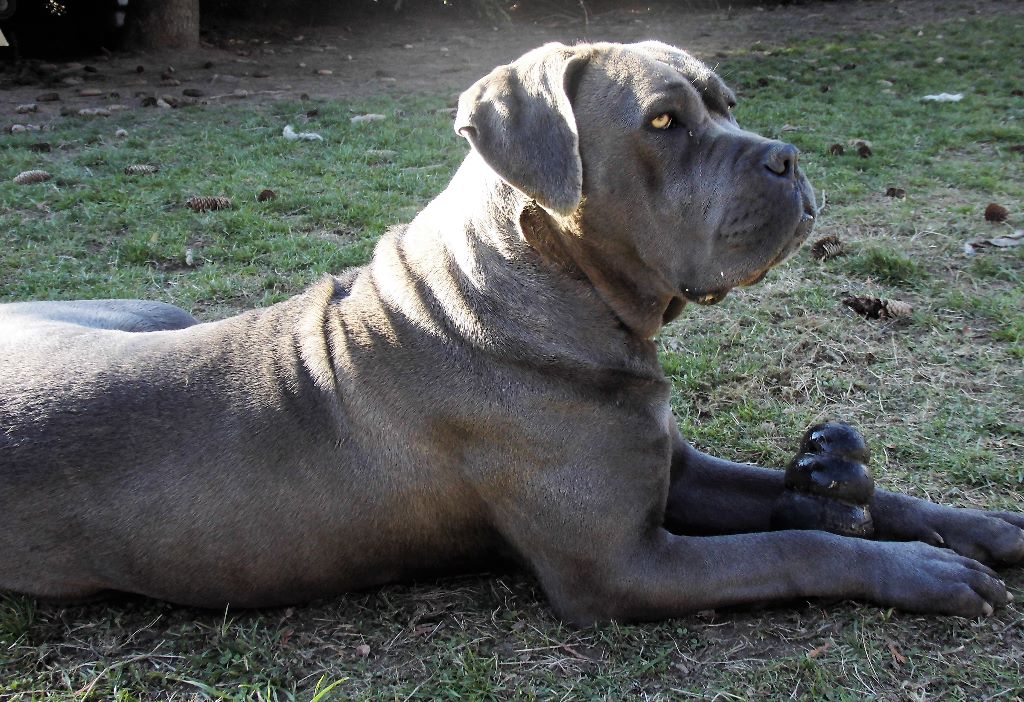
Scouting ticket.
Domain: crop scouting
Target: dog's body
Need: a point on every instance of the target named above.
(485, 388)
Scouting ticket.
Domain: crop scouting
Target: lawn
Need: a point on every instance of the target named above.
(938, 392)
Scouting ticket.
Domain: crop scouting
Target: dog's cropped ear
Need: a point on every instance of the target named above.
(519, 118)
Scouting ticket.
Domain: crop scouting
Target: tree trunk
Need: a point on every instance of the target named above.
(163, 24)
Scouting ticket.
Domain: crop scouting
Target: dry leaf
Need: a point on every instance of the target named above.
(1002, 242)
(141, 169)
(897, 655)
(819, 650)
(265, 194)
(898, 193)
(836, 150)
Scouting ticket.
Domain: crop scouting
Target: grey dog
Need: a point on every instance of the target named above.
(486, 388)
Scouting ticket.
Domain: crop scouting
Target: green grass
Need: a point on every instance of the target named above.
(937, 393)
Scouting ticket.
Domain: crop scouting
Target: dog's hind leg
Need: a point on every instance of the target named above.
(122, 315)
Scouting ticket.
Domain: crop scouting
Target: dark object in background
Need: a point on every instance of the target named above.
(828, 483)
(41, 28)
(996, 213)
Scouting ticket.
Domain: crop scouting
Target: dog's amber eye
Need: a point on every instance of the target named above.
(662, 121)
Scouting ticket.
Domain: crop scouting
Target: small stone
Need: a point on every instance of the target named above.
(192, 92)
(360, 119)
(48, 97)
(27, 108)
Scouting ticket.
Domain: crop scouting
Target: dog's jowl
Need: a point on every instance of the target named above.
(486, 387)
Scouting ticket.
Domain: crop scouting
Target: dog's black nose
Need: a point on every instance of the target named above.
(781, 159)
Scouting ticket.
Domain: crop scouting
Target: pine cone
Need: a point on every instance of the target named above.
(996, 213)
(877, 308)
(141, 169)
(827, 247)
(29, 177)
(897, 308)
(201, 203)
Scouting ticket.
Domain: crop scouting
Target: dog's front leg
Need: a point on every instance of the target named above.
(662, 575)
(708, 495)
(711, 496)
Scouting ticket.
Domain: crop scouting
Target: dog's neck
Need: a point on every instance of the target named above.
(500, 290)
(621, 280)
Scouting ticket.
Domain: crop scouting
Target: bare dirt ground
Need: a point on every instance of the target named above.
(423, 52)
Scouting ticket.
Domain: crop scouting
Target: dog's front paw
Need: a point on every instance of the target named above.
(920, 578)
(989, 537)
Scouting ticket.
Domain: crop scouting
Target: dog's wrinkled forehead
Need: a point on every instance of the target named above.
(649, 65)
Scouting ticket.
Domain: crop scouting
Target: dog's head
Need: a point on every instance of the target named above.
(635, 157)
